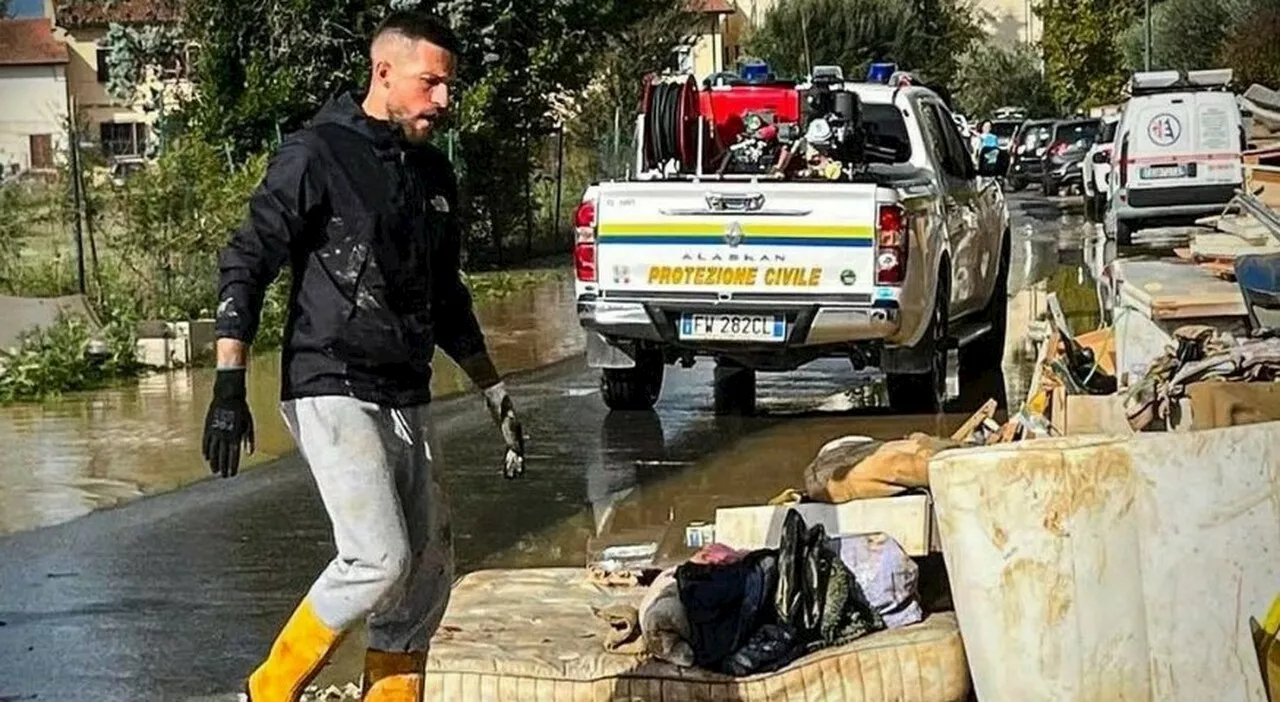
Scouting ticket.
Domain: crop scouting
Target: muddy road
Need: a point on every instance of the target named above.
(176, 596)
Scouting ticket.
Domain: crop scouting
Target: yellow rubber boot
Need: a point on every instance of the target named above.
(393, 677)
(298, 654)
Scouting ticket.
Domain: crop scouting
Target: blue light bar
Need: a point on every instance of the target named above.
(880, 72)
(755, 72)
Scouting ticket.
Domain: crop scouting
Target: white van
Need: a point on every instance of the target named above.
(1177, 151)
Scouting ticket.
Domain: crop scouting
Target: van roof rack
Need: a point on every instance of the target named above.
(1155, 82)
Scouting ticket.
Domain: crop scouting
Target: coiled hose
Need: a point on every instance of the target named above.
(663, 121)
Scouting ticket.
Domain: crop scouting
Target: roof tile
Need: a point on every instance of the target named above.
(30, 42)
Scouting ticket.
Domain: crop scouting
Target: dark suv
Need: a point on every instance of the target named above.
(1028, 146)
(1068, 145)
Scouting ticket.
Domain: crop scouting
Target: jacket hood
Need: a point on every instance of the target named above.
(344, 110)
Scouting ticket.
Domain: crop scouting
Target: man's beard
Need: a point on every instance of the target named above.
(409, 129)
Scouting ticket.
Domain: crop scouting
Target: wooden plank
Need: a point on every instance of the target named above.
(1172, 289)
(1221, 269)
(1244, 226)
(984, 413)
(1227, 246)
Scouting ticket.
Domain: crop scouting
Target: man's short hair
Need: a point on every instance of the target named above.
(419, 26)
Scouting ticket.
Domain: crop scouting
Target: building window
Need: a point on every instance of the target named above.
(104, 69)
(123, 138)
(41, 152)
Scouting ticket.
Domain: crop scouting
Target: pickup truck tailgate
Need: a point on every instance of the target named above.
(801, 240)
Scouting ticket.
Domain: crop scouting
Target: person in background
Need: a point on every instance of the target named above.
(986, 137)
(363, 209)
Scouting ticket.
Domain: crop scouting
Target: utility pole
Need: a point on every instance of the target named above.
(77, 190)
(1146, 54)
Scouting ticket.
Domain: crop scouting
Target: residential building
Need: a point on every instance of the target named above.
(707, 51)
(33, 95)
(122, 127)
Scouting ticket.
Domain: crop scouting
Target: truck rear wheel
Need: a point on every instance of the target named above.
(734, 389)
(637, 388)
(921, 393)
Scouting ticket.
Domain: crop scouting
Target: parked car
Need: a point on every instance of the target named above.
(1096, 167)
(1069, 142)
(1029, 144)
(1178, 151)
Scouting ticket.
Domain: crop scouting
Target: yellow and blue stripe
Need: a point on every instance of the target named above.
(694, 234)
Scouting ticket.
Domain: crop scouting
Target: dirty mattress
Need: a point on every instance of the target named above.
(530, 635)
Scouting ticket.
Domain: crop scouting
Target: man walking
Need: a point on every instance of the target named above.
(363, 210)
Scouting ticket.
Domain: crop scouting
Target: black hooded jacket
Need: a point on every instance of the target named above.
(368, 226)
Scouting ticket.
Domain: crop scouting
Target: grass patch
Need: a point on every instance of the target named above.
(496, 285)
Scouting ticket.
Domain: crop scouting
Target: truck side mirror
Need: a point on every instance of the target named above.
(1101, 158)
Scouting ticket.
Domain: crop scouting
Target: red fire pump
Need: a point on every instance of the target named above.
(757, 128)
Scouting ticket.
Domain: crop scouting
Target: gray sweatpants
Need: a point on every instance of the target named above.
(376, 468)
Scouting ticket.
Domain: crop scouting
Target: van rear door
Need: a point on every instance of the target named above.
(1182, 141)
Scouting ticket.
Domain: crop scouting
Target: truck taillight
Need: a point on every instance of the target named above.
(891, 246)
(584, 248)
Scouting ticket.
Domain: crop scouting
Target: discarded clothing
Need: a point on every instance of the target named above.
(771, 647)
(624, 629)
(817, 595)
(718, 554)
(1202, 353)
(887, 575)
(834, 461)
(664, 623)
(726, 604)
(858, 469)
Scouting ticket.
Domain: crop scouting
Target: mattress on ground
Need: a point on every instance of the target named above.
(530, 635)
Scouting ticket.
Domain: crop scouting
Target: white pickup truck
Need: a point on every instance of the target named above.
(892, 269)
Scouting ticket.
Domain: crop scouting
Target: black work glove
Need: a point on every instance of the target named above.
(228, 424)
(504, 415)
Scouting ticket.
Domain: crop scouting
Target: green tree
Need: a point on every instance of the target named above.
(614, 95)
(1252, 45)
(1185, 35)
(953, 27)
(848, 33)
(265, 68)
(924, 36)
(175, 216)
(1084, 63)
(992, 76)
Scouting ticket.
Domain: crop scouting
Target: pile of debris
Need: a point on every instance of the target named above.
(1202, 354)
(1248, 226)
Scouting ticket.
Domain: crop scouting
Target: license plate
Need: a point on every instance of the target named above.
(733, 327)
(1157, 172)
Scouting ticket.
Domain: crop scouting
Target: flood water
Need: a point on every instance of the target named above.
(65, 458)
